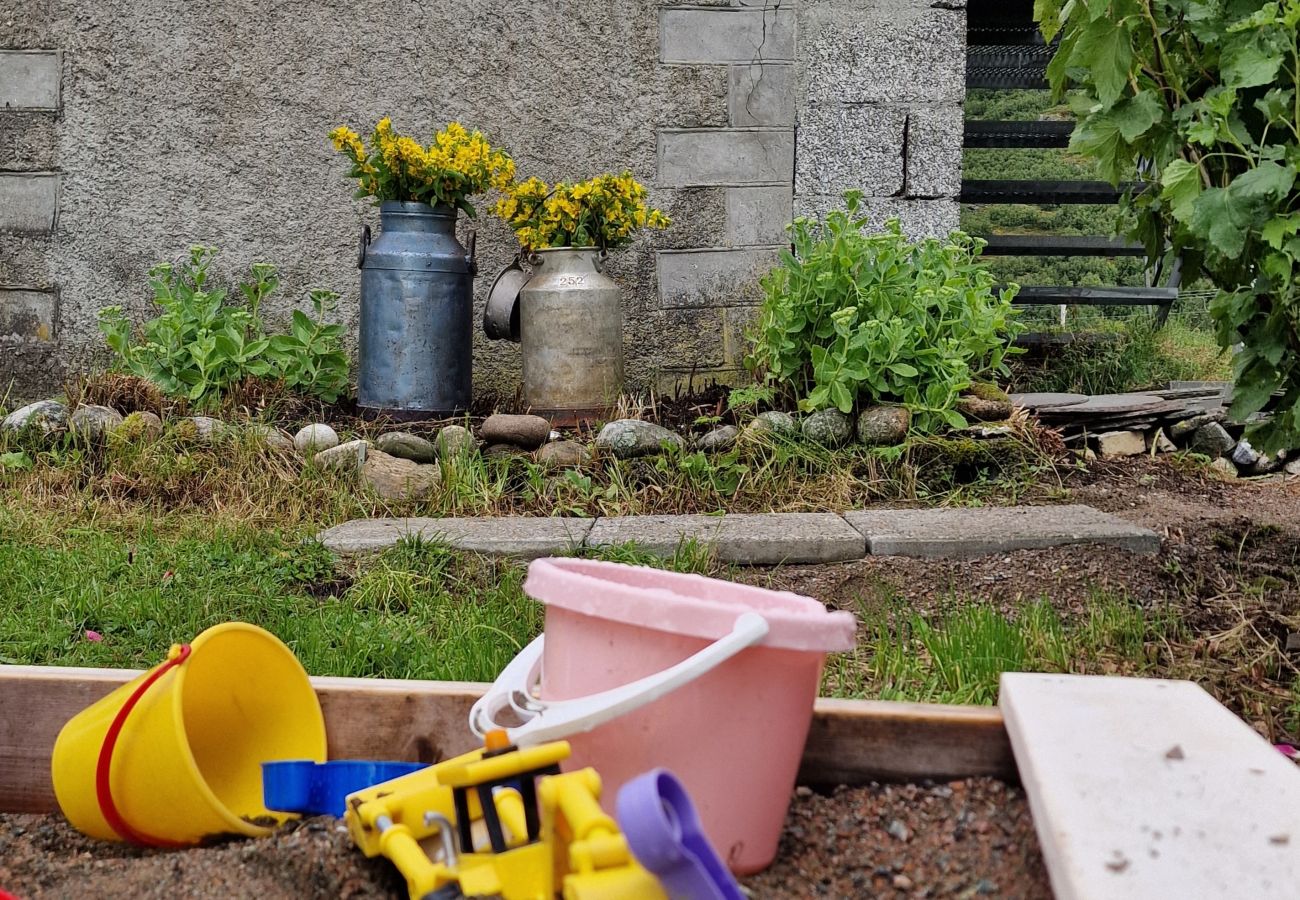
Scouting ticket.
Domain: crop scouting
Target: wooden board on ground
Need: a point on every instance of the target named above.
(1149, 789)
(851, 741)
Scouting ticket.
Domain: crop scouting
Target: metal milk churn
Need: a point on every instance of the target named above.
(416, 314)
(571, 333)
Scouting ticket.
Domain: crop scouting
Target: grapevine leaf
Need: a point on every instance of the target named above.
(1222, 219)
(1181, 186)
(1105, 47)
(1266, 179)
(1248, 63)
(1137, 115)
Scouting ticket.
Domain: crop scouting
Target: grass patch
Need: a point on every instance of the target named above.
(959, 656)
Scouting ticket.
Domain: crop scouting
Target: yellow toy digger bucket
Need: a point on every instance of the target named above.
(175, 755)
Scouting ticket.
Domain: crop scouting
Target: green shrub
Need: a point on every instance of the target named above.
(851, 317)
(1199, 100)
(205, 341)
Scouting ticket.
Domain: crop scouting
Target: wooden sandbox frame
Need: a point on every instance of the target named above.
(851, 741)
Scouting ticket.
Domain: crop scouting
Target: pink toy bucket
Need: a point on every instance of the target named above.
(712, 680)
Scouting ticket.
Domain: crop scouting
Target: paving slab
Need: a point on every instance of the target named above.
(759, 539)
(1144, 789)
(990, 529)
(524, 536)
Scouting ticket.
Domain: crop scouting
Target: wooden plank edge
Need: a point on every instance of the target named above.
(849, 742)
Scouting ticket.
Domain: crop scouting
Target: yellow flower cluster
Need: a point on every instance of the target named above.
(457, 165)
(603, 212)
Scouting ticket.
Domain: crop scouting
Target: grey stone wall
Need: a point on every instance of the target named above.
(131, 130)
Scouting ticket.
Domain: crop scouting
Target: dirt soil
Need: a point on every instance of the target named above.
(963, 839)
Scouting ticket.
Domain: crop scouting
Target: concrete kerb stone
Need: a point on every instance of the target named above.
(975, 532)
(528, 537)
(761, 539)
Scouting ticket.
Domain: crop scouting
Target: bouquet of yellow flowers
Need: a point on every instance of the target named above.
(603, 212)
(456, 166)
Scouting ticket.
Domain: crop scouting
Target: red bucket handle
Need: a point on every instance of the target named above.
(103, 790)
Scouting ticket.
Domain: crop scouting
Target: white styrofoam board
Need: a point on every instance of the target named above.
(1143, 789)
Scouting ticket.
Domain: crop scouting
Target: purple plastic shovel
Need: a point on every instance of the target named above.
(664, 834)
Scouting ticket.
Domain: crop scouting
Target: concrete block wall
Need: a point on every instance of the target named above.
(122, 143)
(30, 101)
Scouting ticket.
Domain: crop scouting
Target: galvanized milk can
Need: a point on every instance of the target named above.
(571, 332)
(416, 314)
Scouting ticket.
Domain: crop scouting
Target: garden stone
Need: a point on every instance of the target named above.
(348, 458)
(626, 438)
(93, 422)
(528, 432)
(50, 416)
(1120, 444)
(884, 426)
(1224, 467)
(828, 427)
(201, 429)
(982, 390)
(563, 454)
(1293, 467)
(1160, 443)
(773, 422)
(314, 438)
(1211, 440)
(405, 445)
(502, 451)
(454, 441)
(395, 478)
(139, 426)
(271, 437)
(1186, 427)
(719, 439)
(1244, 455)
(981, 410)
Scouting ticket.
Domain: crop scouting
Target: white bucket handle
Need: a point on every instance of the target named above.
(557, 719)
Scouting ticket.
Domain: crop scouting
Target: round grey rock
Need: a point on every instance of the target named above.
(528, 432)
(93, 422)
(405, 445)
(202, 429)
(627, 438)
(563, 455)
(455, 440)
(345, 458)
(719, 439)
(1224, 467)
(271, 437)
(49, 416)
(774, 422)
(139, 427)
(828, 427)
(981, 410)
(396, 478)
(1244, 455)
(884, 426)
(315, 438)
(1212, 440)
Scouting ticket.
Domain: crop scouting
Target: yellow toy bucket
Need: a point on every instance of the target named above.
(176, 755)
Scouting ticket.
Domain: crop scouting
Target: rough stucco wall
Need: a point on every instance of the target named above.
(188, 122)
(173, 122)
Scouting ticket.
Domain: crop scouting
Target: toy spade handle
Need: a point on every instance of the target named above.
(557, 719)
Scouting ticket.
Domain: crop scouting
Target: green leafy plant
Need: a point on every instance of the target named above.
(205, 341)
(851, 317)
(1198, 99)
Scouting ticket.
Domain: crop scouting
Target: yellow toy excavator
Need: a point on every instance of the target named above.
(504, 823)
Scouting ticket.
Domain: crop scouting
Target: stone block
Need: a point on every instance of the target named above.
(722, 156)
(726, 35)
(691, 337)
(919, 218)
(759, 215)
(697, 278)
(746, 539)
(882, 53)
(934, 151)
(30, 79)
(29, 202)
(761, 95)
(737, 322)
(844, 148)
(979, 531)
(27, 314)
(1120, 444)
(524, 536)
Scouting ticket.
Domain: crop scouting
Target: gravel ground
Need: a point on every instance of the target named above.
(964, 839)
